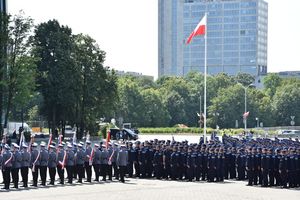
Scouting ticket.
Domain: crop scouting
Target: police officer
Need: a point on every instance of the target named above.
(52, 164)
(70, 161)
(174, 163)
(80, 159)
(283, 168)
(190, 163)
(25, 165)
(44, 156)
(104, 162)
(265, 167)
(7, 159)
(16, 165)
(158, 162)
(167, 162)
(35, 164)
(131, 158)
(211, 165)
(87, 165)
(96, 162)
(122, 160)
(75, 166)
(135, 159)
(60, 163)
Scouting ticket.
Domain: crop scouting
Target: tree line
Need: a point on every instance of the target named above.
(176, 100)
(49, 73)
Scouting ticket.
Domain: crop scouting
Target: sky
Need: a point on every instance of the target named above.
(127, 30)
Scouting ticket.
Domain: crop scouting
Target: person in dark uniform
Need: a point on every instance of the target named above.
(88, 167)
(131, 154)
(174, 163)
(16, 165)
(142, 160)
(198, 162)
(240, 164)
(283, 168)
(277, 158)
(250, 166)
(182, 162)
(291, 170)
(227, 163)
(256, 164)
(135, 155)
(167, 162)
(149, 161)
(211, 166)
(190, 164)
(158, 162)
(25, 165)
(70, 162)
(204, 163)
(60, 159)
(52, 164)
(259, 172)
(35, 164)
(220, 165)
(44, 156)
(265, 167)
(297, 159)
(232, 168)
(7, 158)
(79, 160)
(271, 167)
(122, 160)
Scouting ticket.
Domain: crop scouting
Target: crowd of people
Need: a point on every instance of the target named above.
(263, 162)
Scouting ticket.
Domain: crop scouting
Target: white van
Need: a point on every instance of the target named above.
(14, 126)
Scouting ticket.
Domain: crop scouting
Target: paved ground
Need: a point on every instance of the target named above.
(154, 190)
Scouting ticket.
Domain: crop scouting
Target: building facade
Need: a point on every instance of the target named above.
(3, 6)
(236, 36)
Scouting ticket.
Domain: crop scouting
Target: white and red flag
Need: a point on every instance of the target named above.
(246, 114)
(199, 30)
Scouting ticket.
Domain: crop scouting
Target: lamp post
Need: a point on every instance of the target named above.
(245, 117)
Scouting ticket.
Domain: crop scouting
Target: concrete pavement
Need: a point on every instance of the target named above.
(154, 190)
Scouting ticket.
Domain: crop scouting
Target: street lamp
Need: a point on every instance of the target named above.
(257, 122)
(245, 117)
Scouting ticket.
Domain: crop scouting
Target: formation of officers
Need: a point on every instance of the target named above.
(263, 162)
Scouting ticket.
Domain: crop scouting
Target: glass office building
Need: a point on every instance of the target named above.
(236, 36)
(3, 6)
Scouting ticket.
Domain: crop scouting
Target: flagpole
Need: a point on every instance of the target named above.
(205, 72)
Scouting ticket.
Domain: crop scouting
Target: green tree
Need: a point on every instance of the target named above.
(53, 44)
(155, 113)
(271, 82)
(97, 85)
(286, 103)
(244, 78)
(131, 102)
(4, 21)
(21, 71)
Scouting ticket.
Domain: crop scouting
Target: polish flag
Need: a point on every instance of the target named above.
(246, 114)
(199, 30)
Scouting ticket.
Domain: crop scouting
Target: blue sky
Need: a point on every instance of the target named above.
(127, 29)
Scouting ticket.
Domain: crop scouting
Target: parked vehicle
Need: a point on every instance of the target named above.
(289, 133)
(69, 132)
(123, 134)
